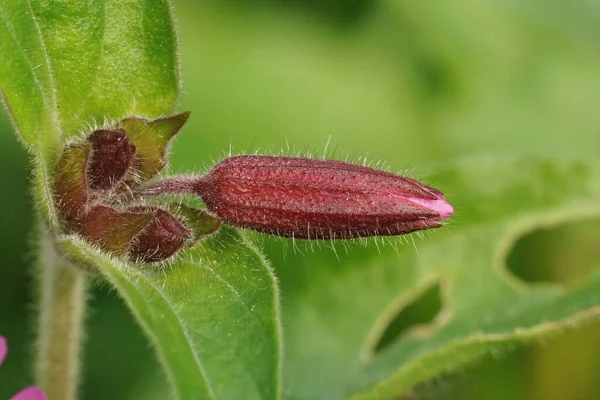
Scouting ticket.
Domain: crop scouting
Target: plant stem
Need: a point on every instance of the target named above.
(61, 314)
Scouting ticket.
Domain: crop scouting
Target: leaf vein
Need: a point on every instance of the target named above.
(53, 99)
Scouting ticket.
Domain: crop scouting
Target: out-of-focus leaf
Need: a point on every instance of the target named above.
(336, 311)
(498, 76)
(213, 316)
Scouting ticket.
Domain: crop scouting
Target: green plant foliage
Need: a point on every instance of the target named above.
(151, 140)
(26, 81)
(213, 316)
(73, 64)
(213, 313)
(418, 83)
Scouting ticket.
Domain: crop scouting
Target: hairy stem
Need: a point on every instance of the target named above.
(174, 185)
(61, 313)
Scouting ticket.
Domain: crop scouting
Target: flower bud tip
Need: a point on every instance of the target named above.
(439, 205)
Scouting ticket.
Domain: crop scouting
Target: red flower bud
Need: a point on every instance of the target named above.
(161, 238)
(144, 234)
(313, 199)
(113, 230)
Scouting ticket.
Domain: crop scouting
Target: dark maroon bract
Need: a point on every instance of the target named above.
(95, 181)
(111, 158)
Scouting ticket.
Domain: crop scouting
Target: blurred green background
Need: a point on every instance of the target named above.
(414, 83)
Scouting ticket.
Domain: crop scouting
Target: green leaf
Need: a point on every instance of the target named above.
(336, 310)
(152, 139)
(199, 221)
(71, 65)
(26, 82)
(213, 315)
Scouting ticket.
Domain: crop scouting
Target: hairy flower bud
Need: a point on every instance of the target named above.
(142, 233)
(113, 230)
(313, 199)
(161, 238)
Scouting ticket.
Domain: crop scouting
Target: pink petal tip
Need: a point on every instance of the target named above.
(3, 348)
(439, 205)
(30, 393)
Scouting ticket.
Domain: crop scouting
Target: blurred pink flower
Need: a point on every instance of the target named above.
(30, 393)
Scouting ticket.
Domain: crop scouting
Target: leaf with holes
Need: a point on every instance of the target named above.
(213, 315)
(336, 313)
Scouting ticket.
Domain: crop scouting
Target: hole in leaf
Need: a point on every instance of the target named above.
(562, 254)
(417, 314)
